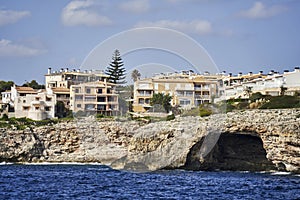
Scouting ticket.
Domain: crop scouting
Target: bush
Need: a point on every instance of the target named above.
(5, 117)
(256, 96)
(204, 111)
(282, 102)
(170, 117)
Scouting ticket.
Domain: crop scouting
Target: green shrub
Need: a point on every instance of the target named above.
(170, 117)
(282, 102)
(203, 112)
(5, 117)
(256, 96)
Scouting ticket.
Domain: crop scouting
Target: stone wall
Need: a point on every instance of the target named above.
(249, 140)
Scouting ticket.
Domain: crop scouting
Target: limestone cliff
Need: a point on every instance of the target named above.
(244, 140)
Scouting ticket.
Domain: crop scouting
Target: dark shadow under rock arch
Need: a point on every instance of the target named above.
(233, 151)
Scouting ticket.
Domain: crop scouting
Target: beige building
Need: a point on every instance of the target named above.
(187, 90)
(94, 97)
(65, 78)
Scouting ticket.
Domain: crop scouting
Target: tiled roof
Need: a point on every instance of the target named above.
(61, 90)
(25, 90)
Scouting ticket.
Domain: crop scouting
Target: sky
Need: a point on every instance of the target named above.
(238, 36)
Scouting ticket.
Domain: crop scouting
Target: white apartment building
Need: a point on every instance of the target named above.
(37, 106)
(265, 84)
(30, 103)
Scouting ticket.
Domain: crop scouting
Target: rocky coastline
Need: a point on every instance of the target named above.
(251, 140)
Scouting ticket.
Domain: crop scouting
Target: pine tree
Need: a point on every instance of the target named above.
(115, 70)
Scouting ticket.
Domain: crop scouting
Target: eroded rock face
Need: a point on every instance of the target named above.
(249, 140)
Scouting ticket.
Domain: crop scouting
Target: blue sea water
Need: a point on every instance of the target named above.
(102, 182)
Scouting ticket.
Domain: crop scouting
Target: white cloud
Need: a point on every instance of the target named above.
(10, 49)
(135, 6)
(260, 11)
(201, 27)
(80, 12)
(10, 16)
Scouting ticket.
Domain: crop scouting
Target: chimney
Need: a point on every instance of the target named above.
(230, 74)
(61, 70)
(49, 70)
(240, 74)
(250, 73)
(285, 71)
(261, 72)
(297, 69)
(78, 70)
(67, 69)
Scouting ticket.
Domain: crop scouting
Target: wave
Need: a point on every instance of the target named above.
(6, 163)
(62, 163)
(281, 173)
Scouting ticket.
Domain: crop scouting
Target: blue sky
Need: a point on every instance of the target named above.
(240, 36)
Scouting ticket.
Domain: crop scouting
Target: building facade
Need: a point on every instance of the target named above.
(65, 78)
(94, 97)
(187, 90)
(37, 106)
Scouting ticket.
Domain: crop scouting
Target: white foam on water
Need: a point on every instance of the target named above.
(281, 173)
(6, 163)
(61, 163)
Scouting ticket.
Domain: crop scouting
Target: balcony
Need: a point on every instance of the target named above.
(199, 97)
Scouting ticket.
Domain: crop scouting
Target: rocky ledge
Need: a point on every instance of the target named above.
(252, 140)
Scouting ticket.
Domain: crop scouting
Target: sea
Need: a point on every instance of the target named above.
(94, 181)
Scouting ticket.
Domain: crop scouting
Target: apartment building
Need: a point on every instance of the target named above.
(37, 106)
(267, 84)
(94, 97)
(187, 89)
(30, 103)
(64, 78)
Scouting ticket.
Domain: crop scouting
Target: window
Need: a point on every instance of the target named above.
(109, 91)
(101, 107)
(90, 98)
(77, 90)
(184, 102)
(37, 98)
(180, 93)
(141, 92)
(89, 106)
(88, 90)
(24, 101)
(147, 101)
(110, 99)
(99, 91)
(25, 108)
(112, 107)
(141, 101)
(167, 86)
(78, 97)
(78, 105)
(189, 93)
(47, 108)
(101, 99)
(48, 98)
(37, 108)
(148, 92)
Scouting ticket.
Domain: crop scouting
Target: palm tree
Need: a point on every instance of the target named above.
(135, 75)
